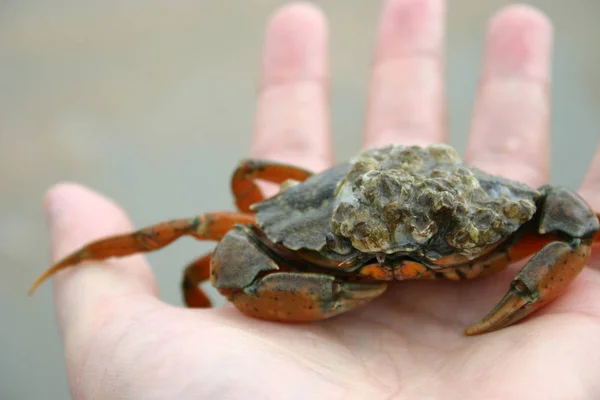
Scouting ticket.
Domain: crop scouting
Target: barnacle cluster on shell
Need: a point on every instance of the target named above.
(398, 198)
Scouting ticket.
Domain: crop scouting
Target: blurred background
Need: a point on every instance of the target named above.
(98, 91)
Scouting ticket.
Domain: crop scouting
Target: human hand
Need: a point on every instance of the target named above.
(121, 341)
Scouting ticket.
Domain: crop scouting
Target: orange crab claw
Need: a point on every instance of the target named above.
(301, 297)
(262, 285)
(543, 278)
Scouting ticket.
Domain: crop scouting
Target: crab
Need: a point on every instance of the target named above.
(330, 242)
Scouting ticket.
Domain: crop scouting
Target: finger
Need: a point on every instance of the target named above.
(291, 122)
(590, 187)
(590, 191)
(509, 134)
(77, 215)
(406, 94)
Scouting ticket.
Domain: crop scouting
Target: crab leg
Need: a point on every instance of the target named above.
(243, 181)
(496, 261)
(195, 273)
(211, 226)
(262, 286)
(551, 269)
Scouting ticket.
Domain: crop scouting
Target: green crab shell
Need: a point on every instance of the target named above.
(299, 217)
(426, 201)
(360, 194)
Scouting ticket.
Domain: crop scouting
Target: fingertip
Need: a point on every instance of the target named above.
(410, 25)
(78, 215)
(520, 14)
(295, 44)
(519, 40)
(298, 13)
(66, 189)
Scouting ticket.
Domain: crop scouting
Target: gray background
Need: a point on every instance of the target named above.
(113, 93)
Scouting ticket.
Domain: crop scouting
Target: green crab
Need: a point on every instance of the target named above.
(330, 242)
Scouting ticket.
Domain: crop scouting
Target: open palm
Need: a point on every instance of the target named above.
(121, 341)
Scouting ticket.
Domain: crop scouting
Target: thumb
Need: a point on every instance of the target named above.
(77, 215)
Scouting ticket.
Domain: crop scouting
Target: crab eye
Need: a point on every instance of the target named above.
(337, 244)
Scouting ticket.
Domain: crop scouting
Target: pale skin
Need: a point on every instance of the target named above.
(122, 341)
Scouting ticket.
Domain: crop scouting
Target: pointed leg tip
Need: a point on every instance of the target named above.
(41, 279)
(34, 287)
(470, 331)
(479, 328)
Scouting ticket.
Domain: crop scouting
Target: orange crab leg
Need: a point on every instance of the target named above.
(211, 226)
(532, 242)
(528, 244)
(195, 273)
(243, 181)
(493, 261)
(404, 271)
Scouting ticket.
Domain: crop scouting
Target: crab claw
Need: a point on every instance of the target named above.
(247, 274)
(573, 224)
(543, 278)
(302, 297)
